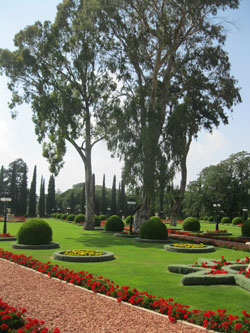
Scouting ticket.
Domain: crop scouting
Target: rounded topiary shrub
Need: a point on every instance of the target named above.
(59, 216)
(237, 220)
(225, 219)
(71, 217)
(114, 223)
(211, 219)
(97, 221)
(191, 224)
(34, 232)
(153, 229)
(205, 218)
(80, 218)
(103, 217)
(64, 217)
(245, 229)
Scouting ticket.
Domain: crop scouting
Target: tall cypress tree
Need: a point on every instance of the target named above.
(83, 201)
(32, 196)
(51, 196)
(123, 202)
(41, 204)
(1, 188)
(13, 190)
(113, 197)
(103, 205)
(22, 206)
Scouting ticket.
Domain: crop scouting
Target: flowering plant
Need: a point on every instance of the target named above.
(219, 320)
(189, 246)
(83, 253)
(4, 235)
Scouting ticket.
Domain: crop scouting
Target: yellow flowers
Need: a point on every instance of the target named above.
(83, 253)
(189, 246)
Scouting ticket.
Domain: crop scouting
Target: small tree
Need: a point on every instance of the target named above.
(41, 204)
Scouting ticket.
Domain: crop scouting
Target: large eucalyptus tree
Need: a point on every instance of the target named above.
(58, 69)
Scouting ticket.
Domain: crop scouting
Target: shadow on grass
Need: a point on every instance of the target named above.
(103, 240)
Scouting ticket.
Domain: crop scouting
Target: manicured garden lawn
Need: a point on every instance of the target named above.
(144, 266)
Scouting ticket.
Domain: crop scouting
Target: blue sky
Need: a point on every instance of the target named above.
(18, 140)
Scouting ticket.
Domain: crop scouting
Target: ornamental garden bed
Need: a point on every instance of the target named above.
(83, 255)
(7, 238)
(162, 241)
(189, 248)
(51, 245)
(125, 234)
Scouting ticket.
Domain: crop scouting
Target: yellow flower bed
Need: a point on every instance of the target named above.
(83, 253)
(189, 246)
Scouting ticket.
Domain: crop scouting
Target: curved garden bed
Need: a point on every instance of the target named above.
(51, 245)
(161, 241)
(7, 239)
(204, 249)
(123, 234)
(60, 255)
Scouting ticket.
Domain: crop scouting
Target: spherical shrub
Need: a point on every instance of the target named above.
(59, 216)
(153, 229)
(205, 218)
(128, 219)
(114, 223)
(71, 217)
(211, 219)
(237, 220)
(245, 229)
(64, 217)
(34, 232)
(103, 217)
(225, 219)
(97, 221)
(191, 224)
(80, 218)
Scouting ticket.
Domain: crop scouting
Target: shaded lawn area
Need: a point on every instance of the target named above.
(143, 266)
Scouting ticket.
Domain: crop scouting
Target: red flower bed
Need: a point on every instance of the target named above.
(218, 320)
(6, 235)
(13, 320)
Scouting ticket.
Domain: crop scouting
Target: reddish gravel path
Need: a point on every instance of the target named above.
(76, 310)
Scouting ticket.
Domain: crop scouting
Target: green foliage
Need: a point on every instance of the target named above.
(205, 218)
(34, 232)
(59, 216)
(71, 217)
(103, 217)
(114, 223)
(154, 229)
(64, 217)
(79, 218)
(225, 219)
(245, 229)
(191, 224)
(128, 219)
(97, 221)
(237, 220)
(211, 219)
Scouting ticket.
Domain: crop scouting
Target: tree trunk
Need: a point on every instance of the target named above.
(89, 216)
(141, 215)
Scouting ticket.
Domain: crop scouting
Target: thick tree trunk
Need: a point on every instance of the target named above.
(89, 197)
(141, 216)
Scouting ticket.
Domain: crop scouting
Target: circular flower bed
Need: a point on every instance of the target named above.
(80, 255)
(189, 248)
(7, 237)
(51, 245)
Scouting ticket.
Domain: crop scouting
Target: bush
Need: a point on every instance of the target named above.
(34, 232)
(153, 229)
(245, 229)
(114, 223)
(71, 217)
(237, 220)
(80, 218)
(97, 221)
(103, 217)
(211, 219)
(127, 219)
(225, 219)
(58, 216)
(64, 217)
(191, 224)
(205, 218)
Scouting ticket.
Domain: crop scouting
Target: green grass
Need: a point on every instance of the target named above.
(144, 266)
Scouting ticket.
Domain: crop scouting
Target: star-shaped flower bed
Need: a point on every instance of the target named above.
(209, 272)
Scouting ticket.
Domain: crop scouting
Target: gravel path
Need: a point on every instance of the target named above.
(76, 310)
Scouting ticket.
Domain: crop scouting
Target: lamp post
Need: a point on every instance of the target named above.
(131, 203)
(109, 210)
(244, 210)
(216, 205)
(5, 199)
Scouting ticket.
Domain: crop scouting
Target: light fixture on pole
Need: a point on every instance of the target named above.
(216, 205)
(244, 210)
(131, 203)
(4, 200)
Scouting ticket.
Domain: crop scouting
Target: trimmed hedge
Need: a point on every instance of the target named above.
(225, 219)
(154, 229)
(71, 217)
(79, 218)
(114, 223)
(237, 220)
(103, 217)
(97, 221)
(191, 224)
(245, 229)
(64, 217)
(34, 232)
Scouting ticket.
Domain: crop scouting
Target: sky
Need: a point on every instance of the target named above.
(18, 139)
